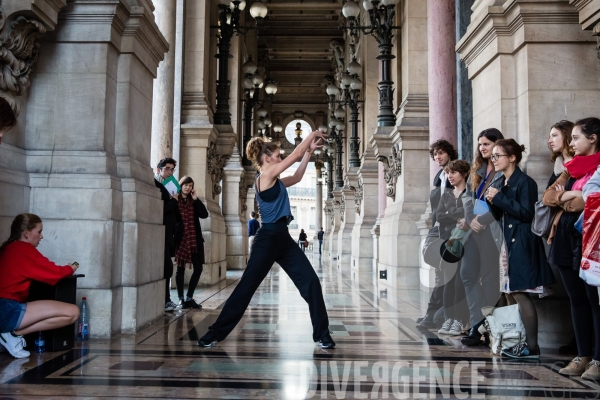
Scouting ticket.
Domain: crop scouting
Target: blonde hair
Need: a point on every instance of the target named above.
(21, 223)
(257, 147)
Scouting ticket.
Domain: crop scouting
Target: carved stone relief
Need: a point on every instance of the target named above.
(358, 196)
(243, 196)
(392, 166)
(215, 162)
(19, 51)
(342, 208)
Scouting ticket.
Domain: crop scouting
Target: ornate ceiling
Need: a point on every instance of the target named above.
(296, 49)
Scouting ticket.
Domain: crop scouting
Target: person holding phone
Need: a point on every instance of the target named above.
(273, 242)
(20, 263)
(189, 243)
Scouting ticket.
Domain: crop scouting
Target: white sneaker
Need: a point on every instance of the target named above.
(444, 330)
(14, 345)
(457, 328)
(170, 306)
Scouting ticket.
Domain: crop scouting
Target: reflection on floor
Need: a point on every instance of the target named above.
(270, 354)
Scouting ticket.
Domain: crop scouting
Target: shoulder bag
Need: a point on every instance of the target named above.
(543, 219)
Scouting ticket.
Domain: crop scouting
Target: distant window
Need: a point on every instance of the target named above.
(290, 130)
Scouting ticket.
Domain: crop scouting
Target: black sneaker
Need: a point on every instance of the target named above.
(327, 342)
(522, 351)
(191, 303)
(208, 340)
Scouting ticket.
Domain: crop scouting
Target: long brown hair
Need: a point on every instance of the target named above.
(492, 134)
(21, 223)
(565, 127)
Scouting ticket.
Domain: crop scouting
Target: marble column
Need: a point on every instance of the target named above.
(441, 37)
(336, 221)
(165, 13)
(366, 203)
(237, 232)
(318, 203)
(178, 81)
(464, 90)
(348, 217)
(327, 225)
(87, 151)
(202, 156)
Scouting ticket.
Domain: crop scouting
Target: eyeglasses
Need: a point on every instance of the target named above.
(169, 169)
(495, 157)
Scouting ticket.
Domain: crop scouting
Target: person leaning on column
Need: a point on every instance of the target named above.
(442, 152)
(253, 226)
(171, 217)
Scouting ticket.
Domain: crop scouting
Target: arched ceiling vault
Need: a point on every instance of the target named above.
(297, 43)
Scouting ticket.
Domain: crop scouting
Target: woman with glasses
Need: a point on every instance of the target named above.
(479, 266)
(513, 205)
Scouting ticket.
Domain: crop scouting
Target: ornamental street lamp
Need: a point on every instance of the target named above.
(252, 84)
(229, 23)
(381, 17)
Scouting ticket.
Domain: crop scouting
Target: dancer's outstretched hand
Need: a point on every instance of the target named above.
(317, 143)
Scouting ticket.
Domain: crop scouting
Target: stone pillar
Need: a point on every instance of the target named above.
(336, 221)
(464, 91)
(318, 204)
(523, 81)
(347, 217)
(366, 203)
(165, 12)
(202, 156)
(97, 181)
(403, 151)
(441, 35)
(250, 198)
(237, 232)
(327, 225)
(178, 89)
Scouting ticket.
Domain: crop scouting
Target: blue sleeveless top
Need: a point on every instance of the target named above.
(273, 203)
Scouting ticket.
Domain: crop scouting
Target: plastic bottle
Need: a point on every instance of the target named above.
(40, 343)
(83, 327)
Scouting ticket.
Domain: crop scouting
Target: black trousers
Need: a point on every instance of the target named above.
(455, 305)
(168, 272)
(194, 279)
(436, 301)
(274, 244)
(585, 312)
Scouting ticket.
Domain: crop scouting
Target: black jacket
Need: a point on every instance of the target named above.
(514, 207)
(434, 196)
(449, 211)
(200, 212)
(171, 218)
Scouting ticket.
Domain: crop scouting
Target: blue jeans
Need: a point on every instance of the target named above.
(11, 314)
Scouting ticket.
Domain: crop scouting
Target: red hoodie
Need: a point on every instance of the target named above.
(20, 263)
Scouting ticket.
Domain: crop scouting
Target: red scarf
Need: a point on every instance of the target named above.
(580, 166)
(188, 244)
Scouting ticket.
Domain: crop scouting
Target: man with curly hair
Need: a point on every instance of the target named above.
(442, 152)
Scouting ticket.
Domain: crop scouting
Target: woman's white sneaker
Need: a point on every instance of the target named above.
(14, 345)
(445, 329)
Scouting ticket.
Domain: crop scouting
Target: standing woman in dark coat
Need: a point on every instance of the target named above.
(189, 242)
(514, 206)
(565, 246)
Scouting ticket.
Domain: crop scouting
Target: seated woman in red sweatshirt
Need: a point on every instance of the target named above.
(20, 263)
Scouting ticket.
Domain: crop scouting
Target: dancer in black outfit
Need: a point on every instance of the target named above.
(273, 242)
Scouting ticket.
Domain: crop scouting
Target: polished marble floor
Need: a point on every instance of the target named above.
(270, 354)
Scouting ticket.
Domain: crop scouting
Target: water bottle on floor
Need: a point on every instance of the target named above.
(40, 343)
(83, 327)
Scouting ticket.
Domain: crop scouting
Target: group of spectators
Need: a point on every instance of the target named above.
(485, 212)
